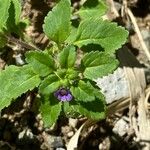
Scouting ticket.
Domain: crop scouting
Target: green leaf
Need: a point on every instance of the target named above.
(49, 85)
(72, 37)
(13, 20)
(17, 6)
(61, 73)
(50, 110)
(83, 92)
(67, 57)
(3, 41)
(98, 64)
(15, 81)
(97, 31)
(72, 74)
(4, 7)
(94, 8)
(57, 24)
(42, 63)
(11, 25)
(70, 109)
(96, 110)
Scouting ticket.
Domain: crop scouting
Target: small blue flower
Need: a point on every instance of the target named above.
(63, 95)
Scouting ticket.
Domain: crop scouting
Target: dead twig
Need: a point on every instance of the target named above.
(22, 43)
(147, 104)
(137, 30)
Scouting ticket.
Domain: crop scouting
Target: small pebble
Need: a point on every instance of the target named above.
(53, 141)
(10, 117)
(121, 127)
(5, 116)
(60, 149)
(70, 134)
(40, 128)
(16, 123)
(73, 122)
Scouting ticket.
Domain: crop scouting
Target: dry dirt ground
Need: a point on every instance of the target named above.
(128, 123)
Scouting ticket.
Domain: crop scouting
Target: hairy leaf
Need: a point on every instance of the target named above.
(98, 64)
(50, 110)
(11, 24)
(3, 41)
(57, 24)
(61, 73)
(83, 92)
(72, 74)
(14, 81)
(49, 84)
(94, 8)
(4, 7)
(17, 6)
(72, 37)
(13, 20)
(67, 57)
(96, 110)
(96, 31)
(70, 109)
(42, 63)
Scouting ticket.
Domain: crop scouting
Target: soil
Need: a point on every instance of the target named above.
(22, 129)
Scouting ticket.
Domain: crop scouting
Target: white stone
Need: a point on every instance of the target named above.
(114, 86)
(121, 127)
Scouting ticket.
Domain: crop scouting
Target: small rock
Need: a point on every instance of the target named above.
(60, 149)
(57, 142)
(25, 133)
(65, 130)
(114, 86)
(25, 137)
(70, 134)
(121, 127)
(106, 144)
(19, 60)
(53, 141)
(73, 122)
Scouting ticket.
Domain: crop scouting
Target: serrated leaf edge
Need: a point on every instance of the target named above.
(77, 43)
(7, 15)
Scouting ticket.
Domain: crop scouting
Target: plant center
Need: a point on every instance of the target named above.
(63, 92)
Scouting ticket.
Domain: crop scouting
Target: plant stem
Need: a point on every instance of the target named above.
(23, 44)
(57, 75)
(59, 46)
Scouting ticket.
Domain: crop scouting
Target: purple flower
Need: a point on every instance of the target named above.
(63, 95)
